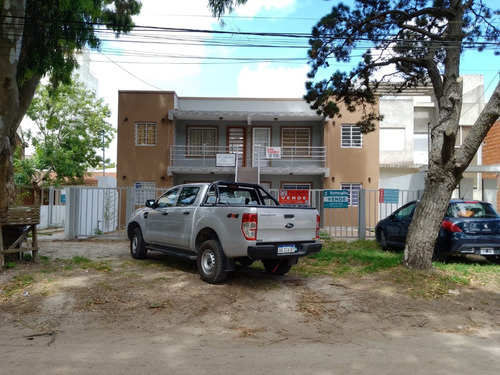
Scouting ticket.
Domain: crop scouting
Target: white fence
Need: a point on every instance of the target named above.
(92, 211)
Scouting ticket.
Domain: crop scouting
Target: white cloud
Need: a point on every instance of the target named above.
(268, 81)
(253, 7)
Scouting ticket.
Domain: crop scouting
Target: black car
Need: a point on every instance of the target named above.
(469, 227)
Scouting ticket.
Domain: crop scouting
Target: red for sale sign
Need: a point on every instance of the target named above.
(295, 197)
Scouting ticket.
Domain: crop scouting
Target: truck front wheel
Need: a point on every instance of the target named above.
(137, 245)
(211, 262)
(277, 267)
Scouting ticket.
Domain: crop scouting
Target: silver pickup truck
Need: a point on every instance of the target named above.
(223, 223)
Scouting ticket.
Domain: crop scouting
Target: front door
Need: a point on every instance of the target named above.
(236, 141)
(261, 140)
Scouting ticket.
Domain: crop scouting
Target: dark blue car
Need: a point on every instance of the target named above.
(469, 227)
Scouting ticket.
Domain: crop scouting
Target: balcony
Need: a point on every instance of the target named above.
(292, 160)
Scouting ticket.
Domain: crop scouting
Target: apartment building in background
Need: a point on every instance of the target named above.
(405, 140)
(164, 140)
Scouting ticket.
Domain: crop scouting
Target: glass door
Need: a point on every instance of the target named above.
(261, 140)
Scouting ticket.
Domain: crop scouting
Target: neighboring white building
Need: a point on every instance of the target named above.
(404, 137)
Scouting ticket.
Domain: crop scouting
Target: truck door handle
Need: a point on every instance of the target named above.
(185, 213)
(164, 213)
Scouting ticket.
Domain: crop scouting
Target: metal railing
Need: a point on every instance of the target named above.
(291, 156)
(201, 156)
(206, 156)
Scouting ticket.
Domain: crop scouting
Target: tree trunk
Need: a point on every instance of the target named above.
(11, 37)
(445, 172)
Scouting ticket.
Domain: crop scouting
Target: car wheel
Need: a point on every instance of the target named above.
(138, 248)
(211, 262)
(277, 267)
(438, 255)
(383, 241)
(494, 259)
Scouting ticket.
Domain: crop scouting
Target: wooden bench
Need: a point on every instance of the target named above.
(19, 221)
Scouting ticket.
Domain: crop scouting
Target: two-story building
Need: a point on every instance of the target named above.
(165, 140)
(405, 141)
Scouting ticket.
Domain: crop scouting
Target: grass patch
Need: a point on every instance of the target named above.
(343, 257)
(18, 284)
(86, 263)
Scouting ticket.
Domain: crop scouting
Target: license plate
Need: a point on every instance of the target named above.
(486, 251)
(284, 249)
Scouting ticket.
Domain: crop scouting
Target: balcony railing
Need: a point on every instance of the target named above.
(201, 156)
(290, 157)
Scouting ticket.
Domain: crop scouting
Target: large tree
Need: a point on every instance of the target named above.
(421, 42)
(39, 37)
(71, 128)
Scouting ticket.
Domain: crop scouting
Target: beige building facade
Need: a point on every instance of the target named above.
(164, 140)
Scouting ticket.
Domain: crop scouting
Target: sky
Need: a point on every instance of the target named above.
(224, 65)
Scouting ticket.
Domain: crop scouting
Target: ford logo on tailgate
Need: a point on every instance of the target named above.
(289, 226)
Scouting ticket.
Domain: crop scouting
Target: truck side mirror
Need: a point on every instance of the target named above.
(150, 203)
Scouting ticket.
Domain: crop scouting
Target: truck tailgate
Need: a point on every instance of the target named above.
(282, 224)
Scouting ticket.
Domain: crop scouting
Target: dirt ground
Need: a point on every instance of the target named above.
(123, 316)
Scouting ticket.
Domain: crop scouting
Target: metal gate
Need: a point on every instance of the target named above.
(92, 211)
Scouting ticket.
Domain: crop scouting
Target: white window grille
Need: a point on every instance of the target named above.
(353, 189)
(145, 134)
(351, 136)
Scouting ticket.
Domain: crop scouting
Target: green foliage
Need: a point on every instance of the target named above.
(418, 40)
(71, 126)
(55, 29)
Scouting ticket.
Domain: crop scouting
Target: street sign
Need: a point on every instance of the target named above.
(336, 198)
(388, 196)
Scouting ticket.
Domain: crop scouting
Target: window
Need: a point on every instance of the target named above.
(145, 134)
(353, 189)
(168, 199)
(295, 141)
(144, 190)
(202, 141)
(188, 196)
(406, 212)
(291, 186)
(351, 136)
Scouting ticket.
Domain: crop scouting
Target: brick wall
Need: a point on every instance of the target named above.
(491, 153)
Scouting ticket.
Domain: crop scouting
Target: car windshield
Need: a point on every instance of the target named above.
(471, 210)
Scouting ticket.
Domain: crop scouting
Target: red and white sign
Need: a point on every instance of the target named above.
(273, 152)
(296, 197)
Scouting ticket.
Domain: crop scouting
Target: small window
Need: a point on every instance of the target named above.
(353, 189)
(145, 134)
(351, 136)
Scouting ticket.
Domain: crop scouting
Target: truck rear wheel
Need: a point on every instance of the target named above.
(137, 245)
(277, 267)
(211, 262)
